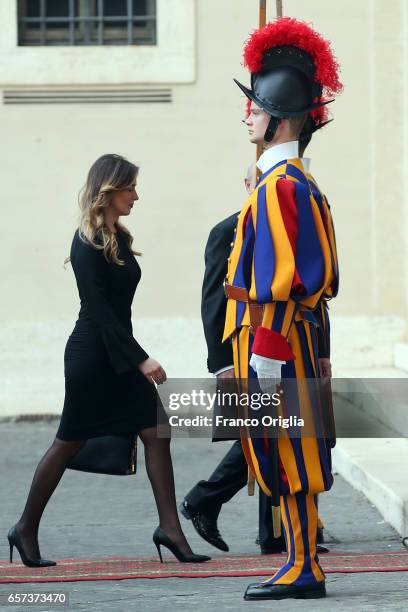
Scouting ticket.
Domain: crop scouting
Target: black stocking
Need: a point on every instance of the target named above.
(46, 478)
(160, 472)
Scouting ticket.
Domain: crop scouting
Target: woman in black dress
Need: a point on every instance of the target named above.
(109, 377)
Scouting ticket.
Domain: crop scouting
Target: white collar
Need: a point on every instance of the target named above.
(277, 153)
(306, 161)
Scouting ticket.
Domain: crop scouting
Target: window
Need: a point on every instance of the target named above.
(39, 53)
(86, 22)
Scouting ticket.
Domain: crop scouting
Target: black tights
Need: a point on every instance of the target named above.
(159, 469)
(53, 464)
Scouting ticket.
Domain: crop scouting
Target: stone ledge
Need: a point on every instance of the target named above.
(378, 394)
(377, 468)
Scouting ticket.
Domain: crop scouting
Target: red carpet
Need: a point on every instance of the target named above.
(123, 568)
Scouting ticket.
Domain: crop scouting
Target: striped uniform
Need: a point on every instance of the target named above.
(284, 254)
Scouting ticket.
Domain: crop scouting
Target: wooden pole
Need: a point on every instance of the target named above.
(262, 13)
(273, 442)
(262, 23)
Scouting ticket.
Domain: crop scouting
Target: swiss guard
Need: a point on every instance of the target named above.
(282, 267)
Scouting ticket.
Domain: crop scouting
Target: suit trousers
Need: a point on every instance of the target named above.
(229, 477)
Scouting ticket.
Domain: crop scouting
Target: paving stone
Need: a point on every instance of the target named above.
(95, 516)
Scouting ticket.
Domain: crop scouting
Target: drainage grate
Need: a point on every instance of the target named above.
(87, 96)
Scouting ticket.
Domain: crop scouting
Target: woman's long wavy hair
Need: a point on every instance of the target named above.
(109, 174)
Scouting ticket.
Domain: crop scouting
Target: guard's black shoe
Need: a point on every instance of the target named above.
(205, 526)
(259, 592)
(320, 536)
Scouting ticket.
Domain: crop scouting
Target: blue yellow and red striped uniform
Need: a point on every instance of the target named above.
(284, 255)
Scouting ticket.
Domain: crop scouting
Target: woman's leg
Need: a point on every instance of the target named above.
(159, 469)
(47, 476)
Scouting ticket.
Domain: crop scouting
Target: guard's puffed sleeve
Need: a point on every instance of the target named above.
(90, 269)
(213, 300)
(291, 264)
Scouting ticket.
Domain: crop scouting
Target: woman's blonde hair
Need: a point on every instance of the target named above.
(109, 174)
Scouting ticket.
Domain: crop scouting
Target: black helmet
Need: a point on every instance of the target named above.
(285, 87)
(291, 67)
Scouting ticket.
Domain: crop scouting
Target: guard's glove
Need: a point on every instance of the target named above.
(269, 369)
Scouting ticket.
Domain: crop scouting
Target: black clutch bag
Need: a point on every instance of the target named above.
(115, 455)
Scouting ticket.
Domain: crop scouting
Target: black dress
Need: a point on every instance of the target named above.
(105, 393)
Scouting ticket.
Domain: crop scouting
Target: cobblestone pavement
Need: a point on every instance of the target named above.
(96, 516)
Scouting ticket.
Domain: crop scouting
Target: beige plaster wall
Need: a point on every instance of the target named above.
(193, 155)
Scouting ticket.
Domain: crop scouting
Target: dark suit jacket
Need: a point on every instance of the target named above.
(213, 301)
(323, 331)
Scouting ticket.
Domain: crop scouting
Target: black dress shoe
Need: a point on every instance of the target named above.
(205, 526)
(259, 592)
(321, 550)
(274, 550)
(281, 547)
(277, 545)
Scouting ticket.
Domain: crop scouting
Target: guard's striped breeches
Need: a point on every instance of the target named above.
(305, 462)
(305, 465)
(299, 519)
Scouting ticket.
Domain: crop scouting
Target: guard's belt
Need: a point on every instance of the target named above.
(241, 295)
(256, 310)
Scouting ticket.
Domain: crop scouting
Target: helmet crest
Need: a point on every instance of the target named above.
(296, 33)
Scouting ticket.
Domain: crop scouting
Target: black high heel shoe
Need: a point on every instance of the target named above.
(15, 540)
(161, 539)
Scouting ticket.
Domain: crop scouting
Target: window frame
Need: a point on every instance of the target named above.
(171, 60)
(86, 21)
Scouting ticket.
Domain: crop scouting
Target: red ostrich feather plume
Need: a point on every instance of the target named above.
(320, 115)
(290, 31)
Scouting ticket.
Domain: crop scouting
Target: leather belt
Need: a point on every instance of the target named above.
(256, 310)
(240, 294)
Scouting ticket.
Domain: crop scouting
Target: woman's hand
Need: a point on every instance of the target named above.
(153, 371)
